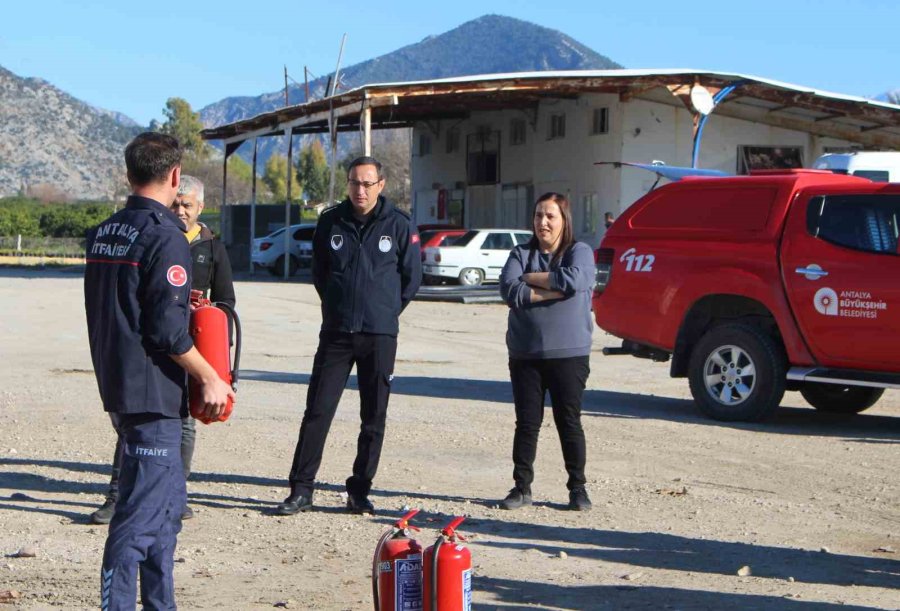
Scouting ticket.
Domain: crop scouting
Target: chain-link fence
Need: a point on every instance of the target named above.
(41, 247)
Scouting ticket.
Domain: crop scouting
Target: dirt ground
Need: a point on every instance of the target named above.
(809, 503)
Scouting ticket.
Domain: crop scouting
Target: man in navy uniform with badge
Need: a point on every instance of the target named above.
(366, 268)
(137, 291)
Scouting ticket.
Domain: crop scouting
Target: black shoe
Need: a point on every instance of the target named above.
(105, 513)
(360, 504)
(187, 514)
(295, 503)
(516, 498)
(578, 499)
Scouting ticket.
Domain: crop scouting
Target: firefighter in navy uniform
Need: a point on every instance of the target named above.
(366, 268)
(137, 288)
(211, 275)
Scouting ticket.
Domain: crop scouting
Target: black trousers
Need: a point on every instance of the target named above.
(374, 357)
(188, 438)
(565, 379)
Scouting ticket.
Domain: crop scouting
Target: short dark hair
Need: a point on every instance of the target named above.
(364, 160)
(150, 157)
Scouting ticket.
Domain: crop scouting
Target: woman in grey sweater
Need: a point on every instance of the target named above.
(547, 284)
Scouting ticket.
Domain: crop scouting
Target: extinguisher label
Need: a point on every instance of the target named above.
(408, 583)
(467, 589)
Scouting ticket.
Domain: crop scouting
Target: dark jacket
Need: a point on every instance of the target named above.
(136, 291)
(211, 268)
(365, 274)
(555, 329)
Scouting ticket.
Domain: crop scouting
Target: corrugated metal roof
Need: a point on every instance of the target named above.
(403, 104)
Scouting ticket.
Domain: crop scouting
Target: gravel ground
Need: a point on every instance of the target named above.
(807, 503)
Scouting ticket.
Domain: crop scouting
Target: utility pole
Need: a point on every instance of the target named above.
(306, 82)
(286, 102)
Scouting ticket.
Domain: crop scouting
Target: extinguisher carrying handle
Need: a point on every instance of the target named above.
(403, 523)
(237, 341)
(450, 530)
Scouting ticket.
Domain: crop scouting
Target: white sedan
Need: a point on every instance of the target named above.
(268, 252)
(475, 257)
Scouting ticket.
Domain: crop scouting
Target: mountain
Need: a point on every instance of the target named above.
(49, 138)
(889, 96)
(489, 44)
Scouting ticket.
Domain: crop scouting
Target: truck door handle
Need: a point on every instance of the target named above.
(486, 254)
(811, 272)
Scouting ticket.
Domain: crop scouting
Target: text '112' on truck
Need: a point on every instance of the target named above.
(754, 285)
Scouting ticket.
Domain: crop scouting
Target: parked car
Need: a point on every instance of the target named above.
(268, 252)
(475, 257)
(879, 166)
(753, 285)
(438, 237)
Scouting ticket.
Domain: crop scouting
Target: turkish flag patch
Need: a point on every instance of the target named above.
(176, 276)
(414, 238)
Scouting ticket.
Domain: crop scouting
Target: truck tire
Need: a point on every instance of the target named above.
(278, 269)
(737, 373)
(838, 399)
(471, 276)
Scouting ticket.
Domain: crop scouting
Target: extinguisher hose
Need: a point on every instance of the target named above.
(434, 574)
(376, 559)
(237, 341)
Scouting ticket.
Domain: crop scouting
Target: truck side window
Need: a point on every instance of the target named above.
(860, 222)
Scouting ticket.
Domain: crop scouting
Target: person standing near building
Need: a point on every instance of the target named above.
(366, 268)
(547, 284)
(137, 291)
(210, 274)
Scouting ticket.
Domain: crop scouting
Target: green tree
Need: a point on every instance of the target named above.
(183, 123)
(275, 177)
(313, 174)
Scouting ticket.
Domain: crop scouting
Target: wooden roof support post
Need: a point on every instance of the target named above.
(367, 130)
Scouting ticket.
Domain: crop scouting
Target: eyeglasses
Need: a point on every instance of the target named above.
(355, 184)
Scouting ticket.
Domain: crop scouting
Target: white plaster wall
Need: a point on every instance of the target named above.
(639, 131)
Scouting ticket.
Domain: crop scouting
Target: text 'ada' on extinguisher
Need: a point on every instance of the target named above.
(397, 568)
(447, 572)
(210, 330)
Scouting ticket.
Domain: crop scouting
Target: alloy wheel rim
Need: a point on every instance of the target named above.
(729, 375)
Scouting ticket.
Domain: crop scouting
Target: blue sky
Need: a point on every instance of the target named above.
(130, 58)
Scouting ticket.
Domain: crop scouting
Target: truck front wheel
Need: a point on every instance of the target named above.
(838, 399)
(737, 373)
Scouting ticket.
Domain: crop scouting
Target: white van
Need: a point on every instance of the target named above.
(876, 166)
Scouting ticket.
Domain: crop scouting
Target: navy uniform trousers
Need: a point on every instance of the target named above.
(147, 520)
(374, 356)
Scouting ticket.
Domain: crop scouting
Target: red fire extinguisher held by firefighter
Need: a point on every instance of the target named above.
(397, 568)
(209, 328)
(447, 572)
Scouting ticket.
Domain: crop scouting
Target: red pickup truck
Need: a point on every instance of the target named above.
(753, 285)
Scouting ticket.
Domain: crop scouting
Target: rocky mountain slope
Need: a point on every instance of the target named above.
(50, 139)
(489, 44)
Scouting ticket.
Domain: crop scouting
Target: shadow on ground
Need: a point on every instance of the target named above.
(610, 404)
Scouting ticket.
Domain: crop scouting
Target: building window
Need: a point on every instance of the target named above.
(424, 145)
(483, 158)
(768, 158)
(590, 213)
(557, 127)
(600, 121)
(452, 140)
(516, 132)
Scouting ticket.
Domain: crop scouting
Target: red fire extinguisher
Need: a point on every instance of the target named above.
(397, 568)
(447, 572)
(209, 329)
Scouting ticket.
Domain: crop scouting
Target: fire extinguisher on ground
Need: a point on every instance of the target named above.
(447, 572)
(210, 330)
(397, 568)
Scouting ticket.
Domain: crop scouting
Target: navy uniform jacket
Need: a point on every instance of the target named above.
(365, 274)
(136, 294)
